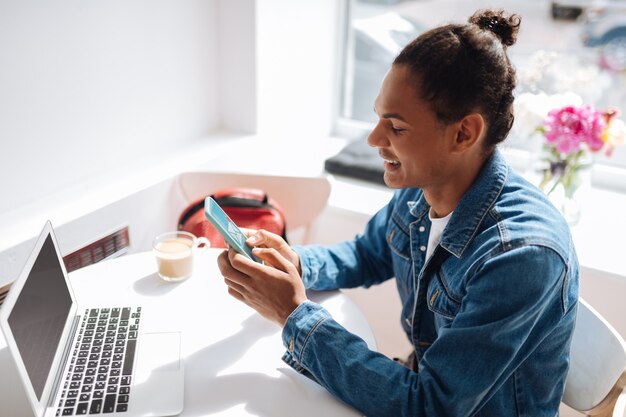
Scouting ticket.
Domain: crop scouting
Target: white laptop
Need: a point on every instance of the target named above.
(87, 361)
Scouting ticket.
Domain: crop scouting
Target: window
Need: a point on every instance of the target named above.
(562, 46)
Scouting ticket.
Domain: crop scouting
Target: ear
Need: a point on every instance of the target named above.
(470, 130)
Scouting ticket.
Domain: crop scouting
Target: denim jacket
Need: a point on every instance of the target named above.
(490, 314)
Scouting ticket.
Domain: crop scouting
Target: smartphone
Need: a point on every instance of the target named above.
(228, 229)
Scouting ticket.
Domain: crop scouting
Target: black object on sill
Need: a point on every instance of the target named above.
(357, 160)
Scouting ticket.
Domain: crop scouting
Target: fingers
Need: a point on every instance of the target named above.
(235, 286)
(236, 294)
(248, 232)
(229, 263)
(263, 238)
(274, 258)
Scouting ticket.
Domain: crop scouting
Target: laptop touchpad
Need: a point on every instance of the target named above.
(158, 352)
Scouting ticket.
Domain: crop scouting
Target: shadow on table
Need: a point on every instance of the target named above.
(153, 286)
(261, 395)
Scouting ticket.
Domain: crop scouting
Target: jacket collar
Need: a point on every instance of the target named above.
(473, 207)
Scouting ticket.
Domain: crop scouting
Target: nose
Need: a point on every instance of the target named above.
(377, 137)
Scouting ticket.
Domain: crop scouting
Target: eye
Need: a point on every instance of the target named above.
(397, 130)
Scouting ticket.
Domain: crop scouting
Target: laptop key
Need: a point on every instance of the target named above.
(98, 394)
(68, 411)
(126, 380)
(123, 399)
(96, 407)
(121, 408)
(82, 408)
(109, 403)
(124, 390)
(130, 357)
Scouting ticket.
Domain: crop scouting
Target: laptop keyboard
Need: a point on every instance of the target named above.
(99, 376)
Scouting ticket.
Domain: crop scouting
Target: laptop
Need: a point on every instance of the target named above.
(90, 360)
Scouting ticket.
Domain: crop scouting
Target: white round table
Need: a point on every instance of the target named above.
(232, 355)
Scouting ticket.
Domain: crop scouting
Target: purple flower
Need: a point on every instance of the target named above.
(570, 127)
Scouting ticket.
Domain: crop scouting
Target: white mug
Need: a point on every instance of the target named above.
(174, 254)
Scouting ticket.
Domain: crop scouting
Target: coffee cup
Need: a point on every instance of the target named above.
(174, 254)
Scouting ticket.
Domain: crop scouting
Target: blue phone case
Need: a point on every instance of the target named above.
(227, 228)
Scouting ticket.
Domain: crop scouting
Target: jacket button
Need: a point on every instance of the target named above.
(407, 321)
(422, 228)
(423, 248)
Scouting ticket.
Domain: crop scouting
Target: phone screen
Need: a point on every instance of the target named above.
(227, 228)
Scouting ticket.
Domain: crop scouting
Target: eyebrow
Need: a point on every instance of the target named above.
(391, 116)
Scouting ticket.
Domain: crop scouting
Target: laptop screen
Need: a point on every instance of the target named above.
(39, 314)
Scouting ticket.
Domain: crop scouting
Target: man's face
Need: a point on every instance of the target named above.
(414, 145)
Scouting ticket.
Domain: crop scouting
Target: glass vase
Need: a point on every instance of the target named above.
(566, 181)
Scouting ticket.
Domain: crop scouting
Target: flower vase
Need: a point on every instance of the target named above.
(566, 181)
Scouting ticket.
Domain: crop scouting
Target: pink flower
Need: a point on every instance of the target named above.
(570, 127)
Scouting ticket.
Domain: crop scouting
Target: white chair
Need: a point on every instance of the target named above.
(596, 382)
(301, 198)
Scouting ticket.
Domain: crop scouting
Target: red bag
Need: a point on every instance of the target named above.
(248, 207)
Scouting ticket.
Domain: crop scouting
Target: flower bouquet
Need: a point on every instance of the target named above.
(572, 135)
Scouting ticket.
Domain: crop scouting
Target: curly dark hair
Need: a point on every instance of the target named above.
(464, 68)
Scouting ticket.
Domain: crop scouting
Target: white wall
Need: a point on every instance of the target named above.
(297, 53)
(89, 87)
(237, 83)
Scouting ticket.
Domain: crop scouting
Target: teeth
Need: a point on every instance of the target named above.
(391, 162)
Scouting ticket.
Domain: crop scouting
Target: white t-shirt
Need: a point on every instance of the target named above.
(436, 229)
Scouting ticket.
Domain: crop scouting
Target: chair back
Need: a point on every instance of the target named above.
(597, 373)
(301, 198)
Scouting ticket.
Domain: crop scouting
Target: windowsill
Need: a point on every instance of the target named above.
(92, 194)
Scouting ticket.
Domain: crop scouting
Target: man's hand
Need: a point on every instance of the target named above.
(274, 289)
(264, 239)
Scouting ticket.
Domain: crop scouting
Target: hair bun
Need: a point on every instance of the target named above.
(496, 21)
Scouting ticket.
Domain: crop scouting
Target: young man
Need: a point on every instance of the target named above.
(484, 265)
